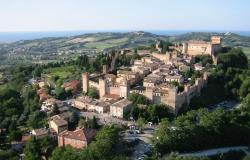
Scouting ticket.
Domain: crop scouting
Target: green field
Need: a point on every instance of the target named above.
(61, 72)
(247, 52)
(100, 45)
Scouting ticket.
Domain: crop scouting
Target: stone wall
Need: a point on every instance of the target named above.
(173, 99)
(113, 90)
(93, 84)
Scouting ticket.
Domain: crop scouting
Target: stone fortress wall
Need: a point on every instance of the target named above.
(161, 65)
(121, 89)
(172, 98)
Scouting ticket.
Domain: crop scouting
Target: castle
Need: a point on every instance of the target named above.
(195, 47)
(109, 84)
(159, 73)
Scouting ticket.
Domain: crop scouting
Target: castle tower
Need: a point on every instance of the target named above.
(124, 89)
(105, 69)
(102, 87)
(172, 99)
(184, 48)
(168, 57)
(85, 82)
(174, 55)
(216, 40)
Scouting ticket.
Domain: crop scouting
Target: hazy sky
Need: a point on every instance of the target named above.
(61, 15)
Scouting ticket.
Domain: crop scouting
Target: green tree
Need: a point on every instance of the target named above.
(73, 120)
(32, 150)
(60, 93)
(37, 119)
(14, 135)
(156, 112)
(141, 123)
(93, 123)
(37, 72)
(247, 158)
(245, 88)
(55, 109)
(234, 58)
(93, 93)
(138, 99)
(8, 154)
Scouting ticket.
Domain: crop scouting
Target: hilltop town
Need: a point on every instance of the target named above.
(157, 76)
(75, 103)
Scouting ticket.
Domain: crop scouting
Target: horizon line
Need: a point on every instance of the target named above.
(130, 30)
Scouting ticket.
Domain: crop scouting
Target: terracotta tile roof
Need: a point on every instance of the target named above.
(72, 84)
(79, 134)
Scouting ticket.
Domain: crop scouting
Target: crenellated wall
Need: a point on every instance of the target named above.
(173, 99)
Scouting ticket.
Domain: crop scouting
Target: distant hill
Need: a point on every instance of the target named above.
(99, 41)
(229, 39)
(66, 47)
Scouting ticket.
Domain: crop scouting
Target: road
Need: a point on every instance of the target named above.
(227, 105)
(216, 151)
(144, 141)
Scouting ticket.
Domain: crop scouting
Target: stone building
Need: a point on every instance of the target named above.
(40, 133)
(58, 124)
(197, 47)
(109, 84)
(90, 104)
(119, 108)
(165, 93)
(79, 138)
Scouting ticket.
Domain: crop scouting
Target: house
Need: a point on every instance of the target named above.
(89, 104)
(79, 138)
(74, 86)
(40, 133)
(48, 104)
(82, 103)
(58, 124)
(174, 78)
(42, 94)
(119, 108)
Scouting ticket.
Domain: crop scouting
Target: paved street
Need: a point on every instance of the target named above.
(216, 151)
(144, 142)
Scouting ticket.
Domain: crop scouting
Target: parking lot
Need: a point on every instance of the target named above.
(144, 147)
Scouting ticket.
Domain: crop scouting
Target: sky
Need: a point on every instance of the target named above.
(71, 15)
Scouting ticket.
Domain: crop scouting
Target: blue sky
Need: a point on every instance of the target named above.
(63, 15)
